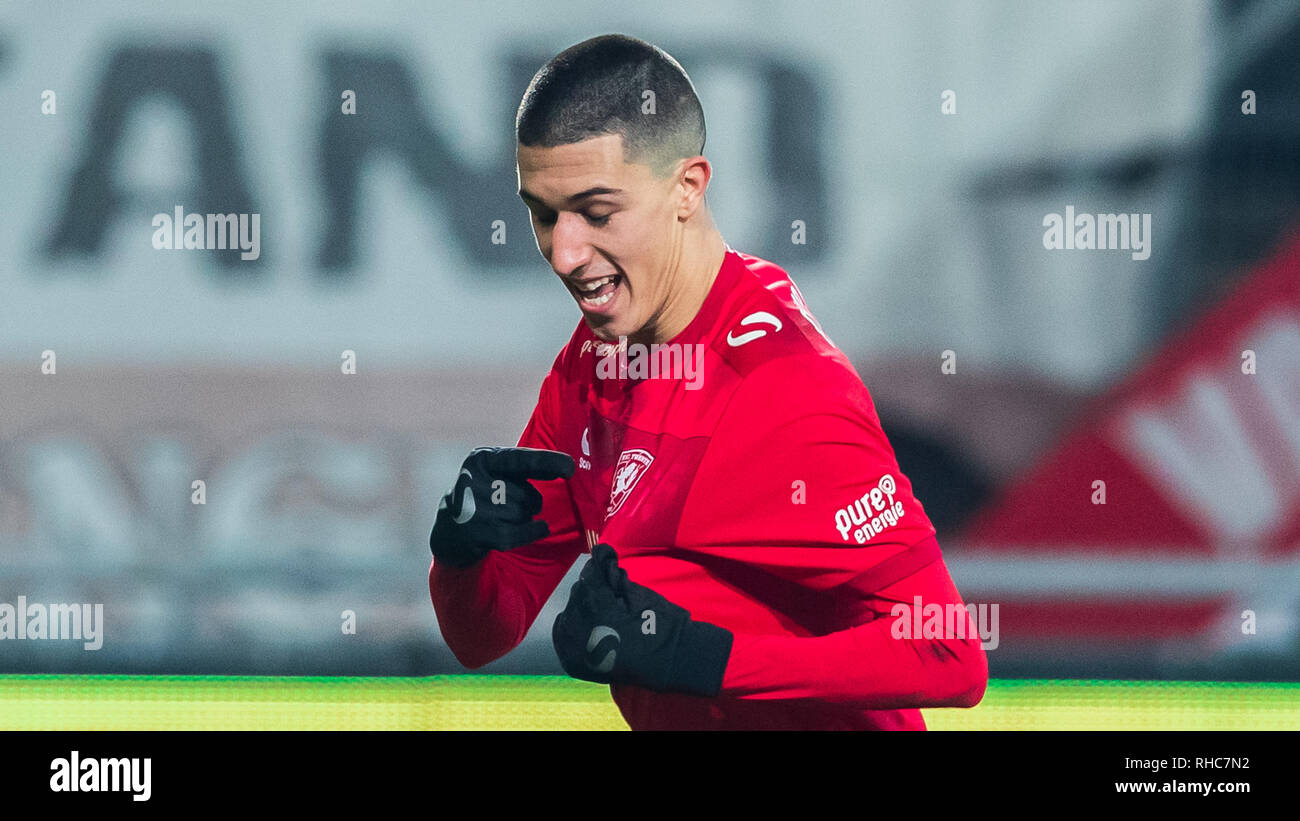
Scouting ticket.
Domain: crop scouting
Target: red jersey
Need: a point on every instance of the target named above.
(741, 472)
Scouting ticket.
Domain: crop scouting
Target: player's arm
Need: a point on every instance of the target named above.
(797, 442)
(601, 636)
(869, 666)
(494, 569)
(819, 476)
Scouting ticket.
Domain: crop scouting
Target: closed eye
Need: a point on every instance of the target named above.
(549, 219)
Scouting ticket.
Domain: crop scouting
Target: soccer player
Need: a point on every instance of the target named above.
(752, 538)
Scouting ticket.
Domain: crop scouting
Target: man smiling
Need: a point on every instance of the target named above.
(748, 537)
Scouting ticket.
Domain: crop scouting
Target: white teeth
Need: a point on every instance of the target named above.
(595, 285)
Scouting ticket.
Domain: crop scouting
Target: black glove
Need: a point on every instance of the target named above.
(616, 631)
(474, 517)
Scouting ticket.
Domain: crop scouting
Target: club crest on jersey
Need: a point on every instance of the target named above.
(632, 465)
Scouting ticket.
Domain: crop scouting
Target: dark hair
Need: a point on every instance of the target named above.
(596, 87)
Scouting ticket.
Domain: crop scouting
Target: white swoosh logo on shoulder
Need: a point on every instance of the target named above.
(750, 336)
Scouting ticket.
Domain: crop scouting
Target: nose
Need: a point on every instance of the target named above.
(569, 247)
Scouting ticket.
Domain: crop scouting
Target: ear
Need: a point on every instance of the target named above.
(693, 175)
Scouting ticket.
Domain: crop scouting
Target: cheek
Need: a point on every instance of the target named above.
(648, 247)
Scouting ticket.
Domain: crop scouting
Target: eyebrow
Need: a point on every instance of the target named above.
(528, 196)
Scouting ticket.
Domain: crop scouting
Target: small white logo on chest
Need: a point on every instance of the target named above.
(583, 461)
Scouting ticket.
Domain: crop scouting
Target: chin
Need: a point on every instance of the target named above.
(609, 331)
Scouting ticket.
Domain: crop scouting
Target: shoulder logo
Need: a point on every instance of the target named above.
(750, 336)
(874, 511)
(632, 465)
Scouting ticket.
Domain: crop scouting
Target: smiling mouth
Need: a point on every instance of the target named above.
(596, 292)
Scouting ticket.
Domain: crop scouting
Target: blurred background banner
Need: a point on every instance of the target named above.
(1048, 235)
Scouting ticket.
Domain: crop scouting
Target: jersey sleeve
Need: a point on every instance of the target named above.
(801, 483)
(870, 666)
(485, 610)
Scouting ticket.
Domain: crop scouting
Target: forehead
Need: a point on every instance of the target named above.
(557, 172)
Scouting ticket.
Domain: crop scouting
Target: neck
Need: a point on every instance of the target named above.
(701, 259)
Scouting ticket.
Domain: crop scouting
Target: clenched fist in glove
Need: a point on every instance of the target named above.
(616, 631)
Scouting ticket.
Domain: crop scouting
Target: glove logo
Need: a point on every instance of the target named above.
(466, 502)
(632, 465)
(598, 634)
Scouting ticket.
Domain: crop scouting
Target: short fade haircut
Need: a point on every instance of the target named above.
(595, 88)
